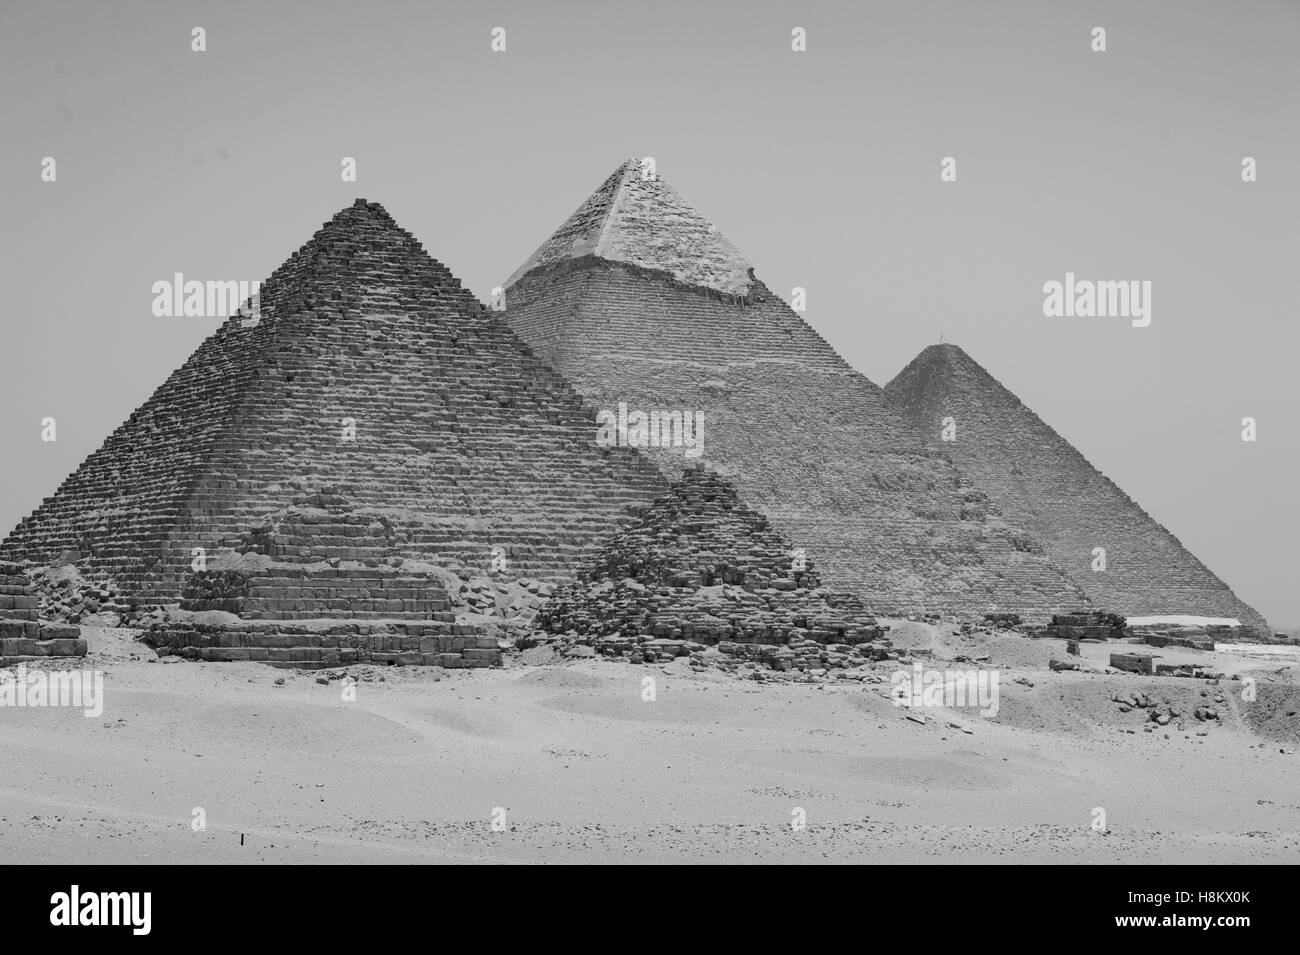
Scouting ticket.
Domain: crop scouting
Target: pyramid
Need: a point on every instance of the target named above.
(640, 302)
(323, 457)
(1032, 472)
(699, 565)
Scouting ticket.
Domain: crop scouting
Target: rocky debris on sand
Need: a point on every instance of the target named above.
(1188, 671)
(1161, 712)
(801, 660)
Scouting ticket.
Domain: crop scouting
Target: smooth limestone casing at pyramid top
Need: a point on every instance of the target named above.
(464, 441)
(1035, 474)
(638, 299)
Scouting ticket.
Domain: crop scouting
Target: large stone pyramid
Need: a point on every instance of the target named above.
(1032, 472)
(372, 421)
(640, 302)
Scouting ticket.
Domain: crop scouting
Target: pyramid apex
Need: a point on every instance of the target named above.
(945, 354)
(943, 348)
(366, 204)
(942, 366)
(637, 218)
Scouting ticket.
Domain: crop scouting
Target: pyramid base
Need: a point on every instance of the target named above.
(316, 644)
(16, 650)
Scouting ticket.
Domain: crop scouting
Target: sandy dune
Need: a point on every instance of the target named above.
(585, 770)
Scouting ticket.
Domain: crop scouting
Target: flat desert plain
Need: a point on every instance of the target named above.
(580, 767)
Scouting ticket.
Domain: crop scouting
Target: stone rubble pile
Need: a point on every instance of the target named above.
(1003, 621)
(515, 602)
(67, 597)
(1187, 671)
(1161, 712)
(24, 636)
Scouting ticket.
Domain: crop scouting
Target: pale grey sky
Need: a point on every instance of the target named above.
(822, 167)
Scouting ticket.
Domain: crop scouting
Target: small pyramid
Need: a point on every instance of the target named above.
(639, 302)
(701, 566)
(1033, 473)
(700, 534)
(405, 422)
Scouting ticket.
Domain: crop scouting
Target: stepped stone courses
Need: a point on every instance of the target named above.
(464, 441)
(804, 437)
(1031, 472)
(23, 636)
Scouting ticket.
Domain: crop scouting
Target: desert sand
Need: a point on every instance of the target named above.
(586, 770)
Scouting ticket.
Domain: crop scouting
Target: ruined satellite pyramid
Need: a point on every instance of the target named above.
(1032, 472)
(373, 421)
(643, 304)
(700, 565)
